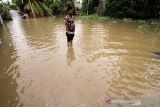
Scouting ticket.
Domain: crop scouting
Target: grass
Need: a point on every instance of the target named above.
(95, 17)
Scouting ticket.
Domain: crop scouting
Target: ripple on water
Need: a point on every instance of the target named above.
(108, 59)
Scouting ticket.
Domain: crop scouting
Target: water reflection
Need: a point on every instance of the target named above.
(8, 72)
(70, 56)
(43, 32)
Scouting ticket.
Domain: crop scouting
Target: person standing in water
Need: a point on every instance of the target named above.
(70, 26)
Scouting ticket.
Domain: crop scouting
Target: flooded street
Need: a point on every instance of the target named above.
(109, 59)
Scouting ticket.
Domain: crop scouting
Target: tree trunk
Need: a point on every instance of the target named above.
(1, 20)
(88, 8)
(31, 9)
(145, 5)
(104, 4)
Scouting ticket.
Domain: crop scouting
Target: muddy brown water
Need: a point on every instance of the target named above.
(110, 59)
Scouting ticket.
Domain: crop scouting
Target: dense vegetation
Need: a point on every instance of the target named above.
(137, 9)
(4, 11)
(88, 6)
(43, 7)
(60, 6)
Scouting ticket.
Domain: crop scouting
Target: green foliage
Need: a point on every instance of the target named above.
(89, 5)
(6, 15)
(27, 7)
(55, 7)
(137, 9)
(47, 10)
(4, 11)
(44, 7)
(39, 7)
(143, 27)
(9, 5)
(64, 4)
(120, 8)
(60, 6)
(95, 17)
(39, 10)
(12, 6)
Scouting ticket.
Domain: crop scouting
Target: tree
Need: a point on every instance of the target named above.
(4, 12)
(137, 9)
(44, 7)
(88, 6)
(37, 7)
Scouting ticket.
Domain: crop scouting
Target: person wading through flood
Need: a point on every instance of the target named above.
(70, 26)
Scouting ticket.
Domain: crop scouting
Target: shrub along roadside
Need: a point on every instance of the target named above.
(4, 12)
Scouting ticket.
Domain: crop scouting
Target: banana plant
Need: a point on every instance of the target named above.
(38, 7)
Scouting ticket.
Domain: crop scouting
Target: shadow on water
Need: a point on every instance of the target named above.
(70, 56)
(157, 55)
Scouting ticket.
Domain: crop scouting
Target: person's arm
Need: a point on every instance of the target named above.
(66, 25)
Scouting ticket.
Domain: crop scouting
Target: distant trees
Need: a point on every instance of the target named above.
(60, 6)
(88, 6)
(133, 8)
(137, 9)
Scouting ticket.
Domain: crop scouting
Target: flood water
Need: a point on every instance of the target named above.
(109, 59)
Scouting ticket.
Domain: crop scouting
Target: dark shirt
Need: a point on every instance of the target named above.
(69, 21)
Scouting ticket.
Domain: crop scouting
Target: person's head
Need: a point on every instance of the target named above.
(70, 10)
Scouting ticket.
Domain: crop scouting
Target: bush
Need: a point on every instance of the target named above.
(60, 6)
(120, 8)
(137, 9)
(55, 7)
(5, 13)
(12, 6)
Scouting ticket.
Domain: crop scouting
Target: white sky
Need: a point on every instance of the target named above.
(6, 0)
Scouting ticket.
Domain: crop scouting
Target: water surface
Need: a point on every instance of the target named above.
(109, 59)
